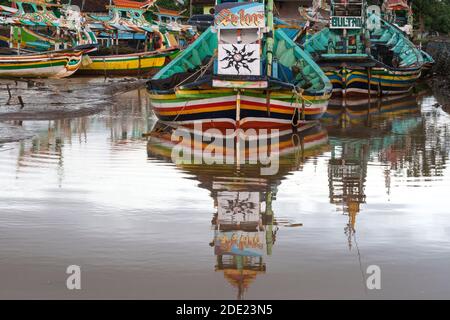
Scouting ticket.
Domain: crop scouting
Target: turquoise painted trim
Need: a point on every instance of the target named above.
(190, 59)
(353, 55)
(427, 57)
(185, 53)
(299, 53)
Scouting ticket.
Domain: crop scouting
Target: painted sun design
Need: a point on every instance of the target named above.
(238, 59)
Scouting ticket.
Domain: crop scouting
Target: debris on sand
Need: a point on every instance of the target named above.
(55, 99)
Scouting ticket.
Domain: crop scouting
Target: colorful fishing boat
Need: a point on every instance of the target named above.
(429, 63)
(56, 64)
(141, 64)
(363, 54)
(44, 40)
(243, 73)
(41, 26)
(132, 44)
(400, 14)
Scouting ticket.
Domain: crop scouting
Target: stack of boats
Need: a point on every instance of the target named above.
(252, 70)
(41, 40)
(47, 39)
(243, 72)
(132, 43)
(249, 69)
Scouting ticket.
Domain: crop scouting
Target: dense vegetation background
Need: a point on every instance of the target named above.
(432, 15)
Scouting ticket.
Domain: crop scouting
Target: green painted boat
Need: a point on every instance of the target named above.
(429, 63)
(132, 43)
(241, 76)
(362, 54)
(42, 26)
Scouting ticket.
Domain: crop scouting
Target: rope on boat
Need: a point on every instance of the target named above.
(301, 103)
(202, 72)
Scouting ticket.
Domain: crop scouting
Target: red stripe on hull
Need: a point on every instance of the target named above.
(197, 106)
(230, 104)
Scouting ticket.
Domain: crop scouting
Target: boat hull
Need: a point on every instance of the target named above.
(347, 82)
(140, 64)
(219, 108)
(46, 65)
(427, 68)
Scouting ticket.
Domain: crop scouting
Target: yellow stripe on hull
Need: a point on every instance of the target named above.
(126, 64)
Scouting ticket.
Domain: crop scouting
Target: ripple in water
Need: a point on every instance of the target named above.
(368, 186)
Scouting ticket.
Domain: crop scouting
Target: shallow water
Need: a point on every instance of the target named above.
(368, 187)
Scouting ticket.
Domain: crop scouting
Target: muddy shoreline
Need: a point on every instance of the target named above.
(55, 99)
(439, 81)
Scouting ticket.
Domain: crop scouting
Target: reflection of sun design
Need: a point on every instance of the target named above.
(239, 58)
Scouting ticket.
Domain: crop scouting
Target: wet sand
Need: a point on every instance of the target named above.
(56, 99)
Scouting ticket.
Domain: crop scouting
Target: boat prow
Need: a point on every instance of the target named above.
(278, 85)
(371, 57)
(52, 64)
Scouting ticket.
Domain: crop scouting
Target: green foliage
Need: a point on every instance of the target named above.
(432, 15)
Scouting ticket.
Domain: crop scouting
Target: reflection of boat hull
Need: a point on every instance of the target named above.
(245, 228)
(219, 106)
(288, 149)
(58, 64)
(136, 64)
(382, 82)
(359, 110)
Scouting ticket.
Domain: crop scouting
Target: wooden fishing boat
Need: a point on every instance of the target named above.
(429, 63)
(245, 74)
(400, 14)
(55, 64)
(364, 55)
(41, 26)
(141, 64)
(131, 43)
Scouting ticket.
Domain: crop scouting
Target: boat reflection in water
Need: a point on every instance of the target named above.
(244, 224)
(362, 131)
(344, 113)
(125, 120)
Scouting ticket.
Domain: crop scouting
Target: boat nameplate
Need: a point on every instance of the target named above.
(240, 16)
(346, 22)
